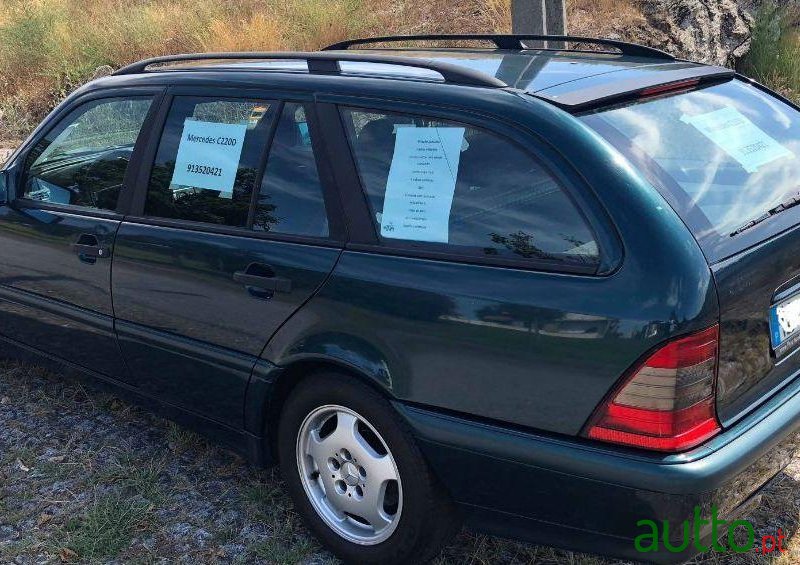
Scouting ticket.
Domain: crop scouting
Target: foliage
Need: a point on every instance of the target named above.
(774, 56)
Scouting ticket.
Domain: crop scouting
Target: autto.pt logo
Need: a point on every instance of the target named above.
(738, 536)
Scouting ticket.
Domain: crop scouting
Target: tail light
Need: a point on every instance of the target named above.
(667, 403)
(670, 87)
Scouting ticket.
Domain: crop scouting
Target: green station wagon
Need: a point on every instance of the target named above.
(548, 292)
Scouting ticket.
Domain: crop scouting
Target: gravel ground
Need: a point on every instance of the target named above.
(86, 477)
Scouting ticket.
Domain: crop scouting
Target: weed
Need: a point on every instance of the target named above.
(181, 440)
(107, 527)
(138, 477)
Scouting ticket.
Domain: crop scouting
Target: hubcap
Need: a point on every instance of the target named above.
(349, 475)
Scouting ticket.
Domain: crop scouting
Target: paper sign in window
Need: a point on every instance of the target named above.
(421, 183)
(740, 138)
(208, 156)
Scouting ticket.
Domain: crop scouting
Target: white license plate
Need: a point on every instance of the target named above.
(784, 325)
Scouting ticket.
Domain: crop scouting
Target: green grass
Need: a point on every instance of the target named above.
(107, 527)
(142, 478)
(774, 56)
(181, 439)
(284, 545)
(263, 494)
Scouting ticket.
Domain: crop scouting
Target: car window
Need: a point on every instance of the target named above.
(433, 182)
(82, 161)
(724, 155)
(208, 159)
(291, 199)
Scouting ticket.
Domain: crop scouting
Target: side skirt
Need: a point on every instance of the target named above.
(250, 446)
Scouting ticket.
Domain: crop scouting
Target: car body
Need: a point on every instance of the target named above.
(497, 361)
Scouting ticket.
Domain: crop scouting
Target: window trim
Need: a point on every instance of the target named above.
(272, 128)
(608, 244)
(63, 111)
(336, 230)
(191, 225)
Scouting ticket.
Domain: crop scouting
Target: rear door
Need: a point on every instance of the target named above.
(57, 233)
(469, 280)
(229, 239)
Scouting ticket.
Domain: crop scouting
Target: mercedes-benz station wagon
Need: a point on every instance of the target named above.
(547, 292)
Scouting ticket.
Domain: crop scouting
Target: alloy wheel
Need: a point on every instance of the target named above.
(349, 474)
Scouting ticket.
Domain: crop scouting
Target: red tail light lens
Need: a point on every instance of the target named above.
(671, 87)
(668, 403)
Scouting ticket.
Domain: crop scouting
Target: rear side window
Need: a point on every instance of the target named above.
(722, 156)
(208, 159)
(83, 159)
(290, 200)
(445, 185)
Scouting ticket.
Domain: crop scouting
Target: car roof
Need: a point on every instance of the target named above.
(571, 79)
(528, 70)
(568, 78)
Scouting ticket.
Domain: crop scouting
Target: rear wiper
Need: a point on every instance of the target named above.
(790, 202)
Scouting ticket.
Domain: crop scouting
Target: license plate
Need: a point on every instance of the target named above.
(784, 326)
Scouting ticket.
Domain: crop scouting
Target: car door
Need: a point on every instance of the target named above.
(229, 241)
(471, 282)
(57, 231)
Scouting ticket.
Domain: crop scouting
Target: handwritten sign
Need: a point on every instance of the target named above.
(208, 155)
(738, 137)
(421, 183)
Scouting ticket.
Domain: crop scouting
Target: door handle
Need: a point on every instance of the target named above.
(262, 276)
(88, 248)
(277, 284)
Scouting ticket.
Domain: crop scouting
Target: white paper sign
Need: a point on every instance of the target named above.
(738, 137)
(421, 183)
(208, 155)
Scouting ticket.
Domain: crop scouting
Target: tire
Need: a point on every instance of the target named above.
(337, 500)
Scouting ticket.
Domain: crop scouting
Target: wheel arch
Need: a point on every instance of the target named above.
(290, 374)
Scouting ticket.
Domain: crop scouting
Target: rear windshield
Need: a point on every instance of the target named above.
(722, 156)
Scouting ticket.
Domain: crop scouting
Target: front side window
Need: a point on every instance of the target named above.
(82, 161)
(208, 159)
(431, 183)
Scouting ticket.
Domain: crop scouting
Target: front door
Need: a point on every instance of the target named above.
(57, 232)
(230, 243)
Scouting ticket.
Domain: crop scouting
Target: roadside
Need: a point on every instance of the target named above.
(86, 477)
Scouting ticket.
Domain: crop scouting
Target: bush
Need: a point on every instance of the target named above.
(774, 56)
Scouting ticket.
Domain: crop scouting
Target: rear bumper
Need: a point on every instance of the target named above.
(577, 495)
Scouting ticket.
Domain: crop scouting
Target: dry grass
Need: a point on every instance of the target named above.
(498, 12)
(48, 47)
(617, 19)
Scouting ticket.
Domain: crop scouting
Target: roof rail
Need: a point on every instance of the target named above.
(512, 42)
(329, 63)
